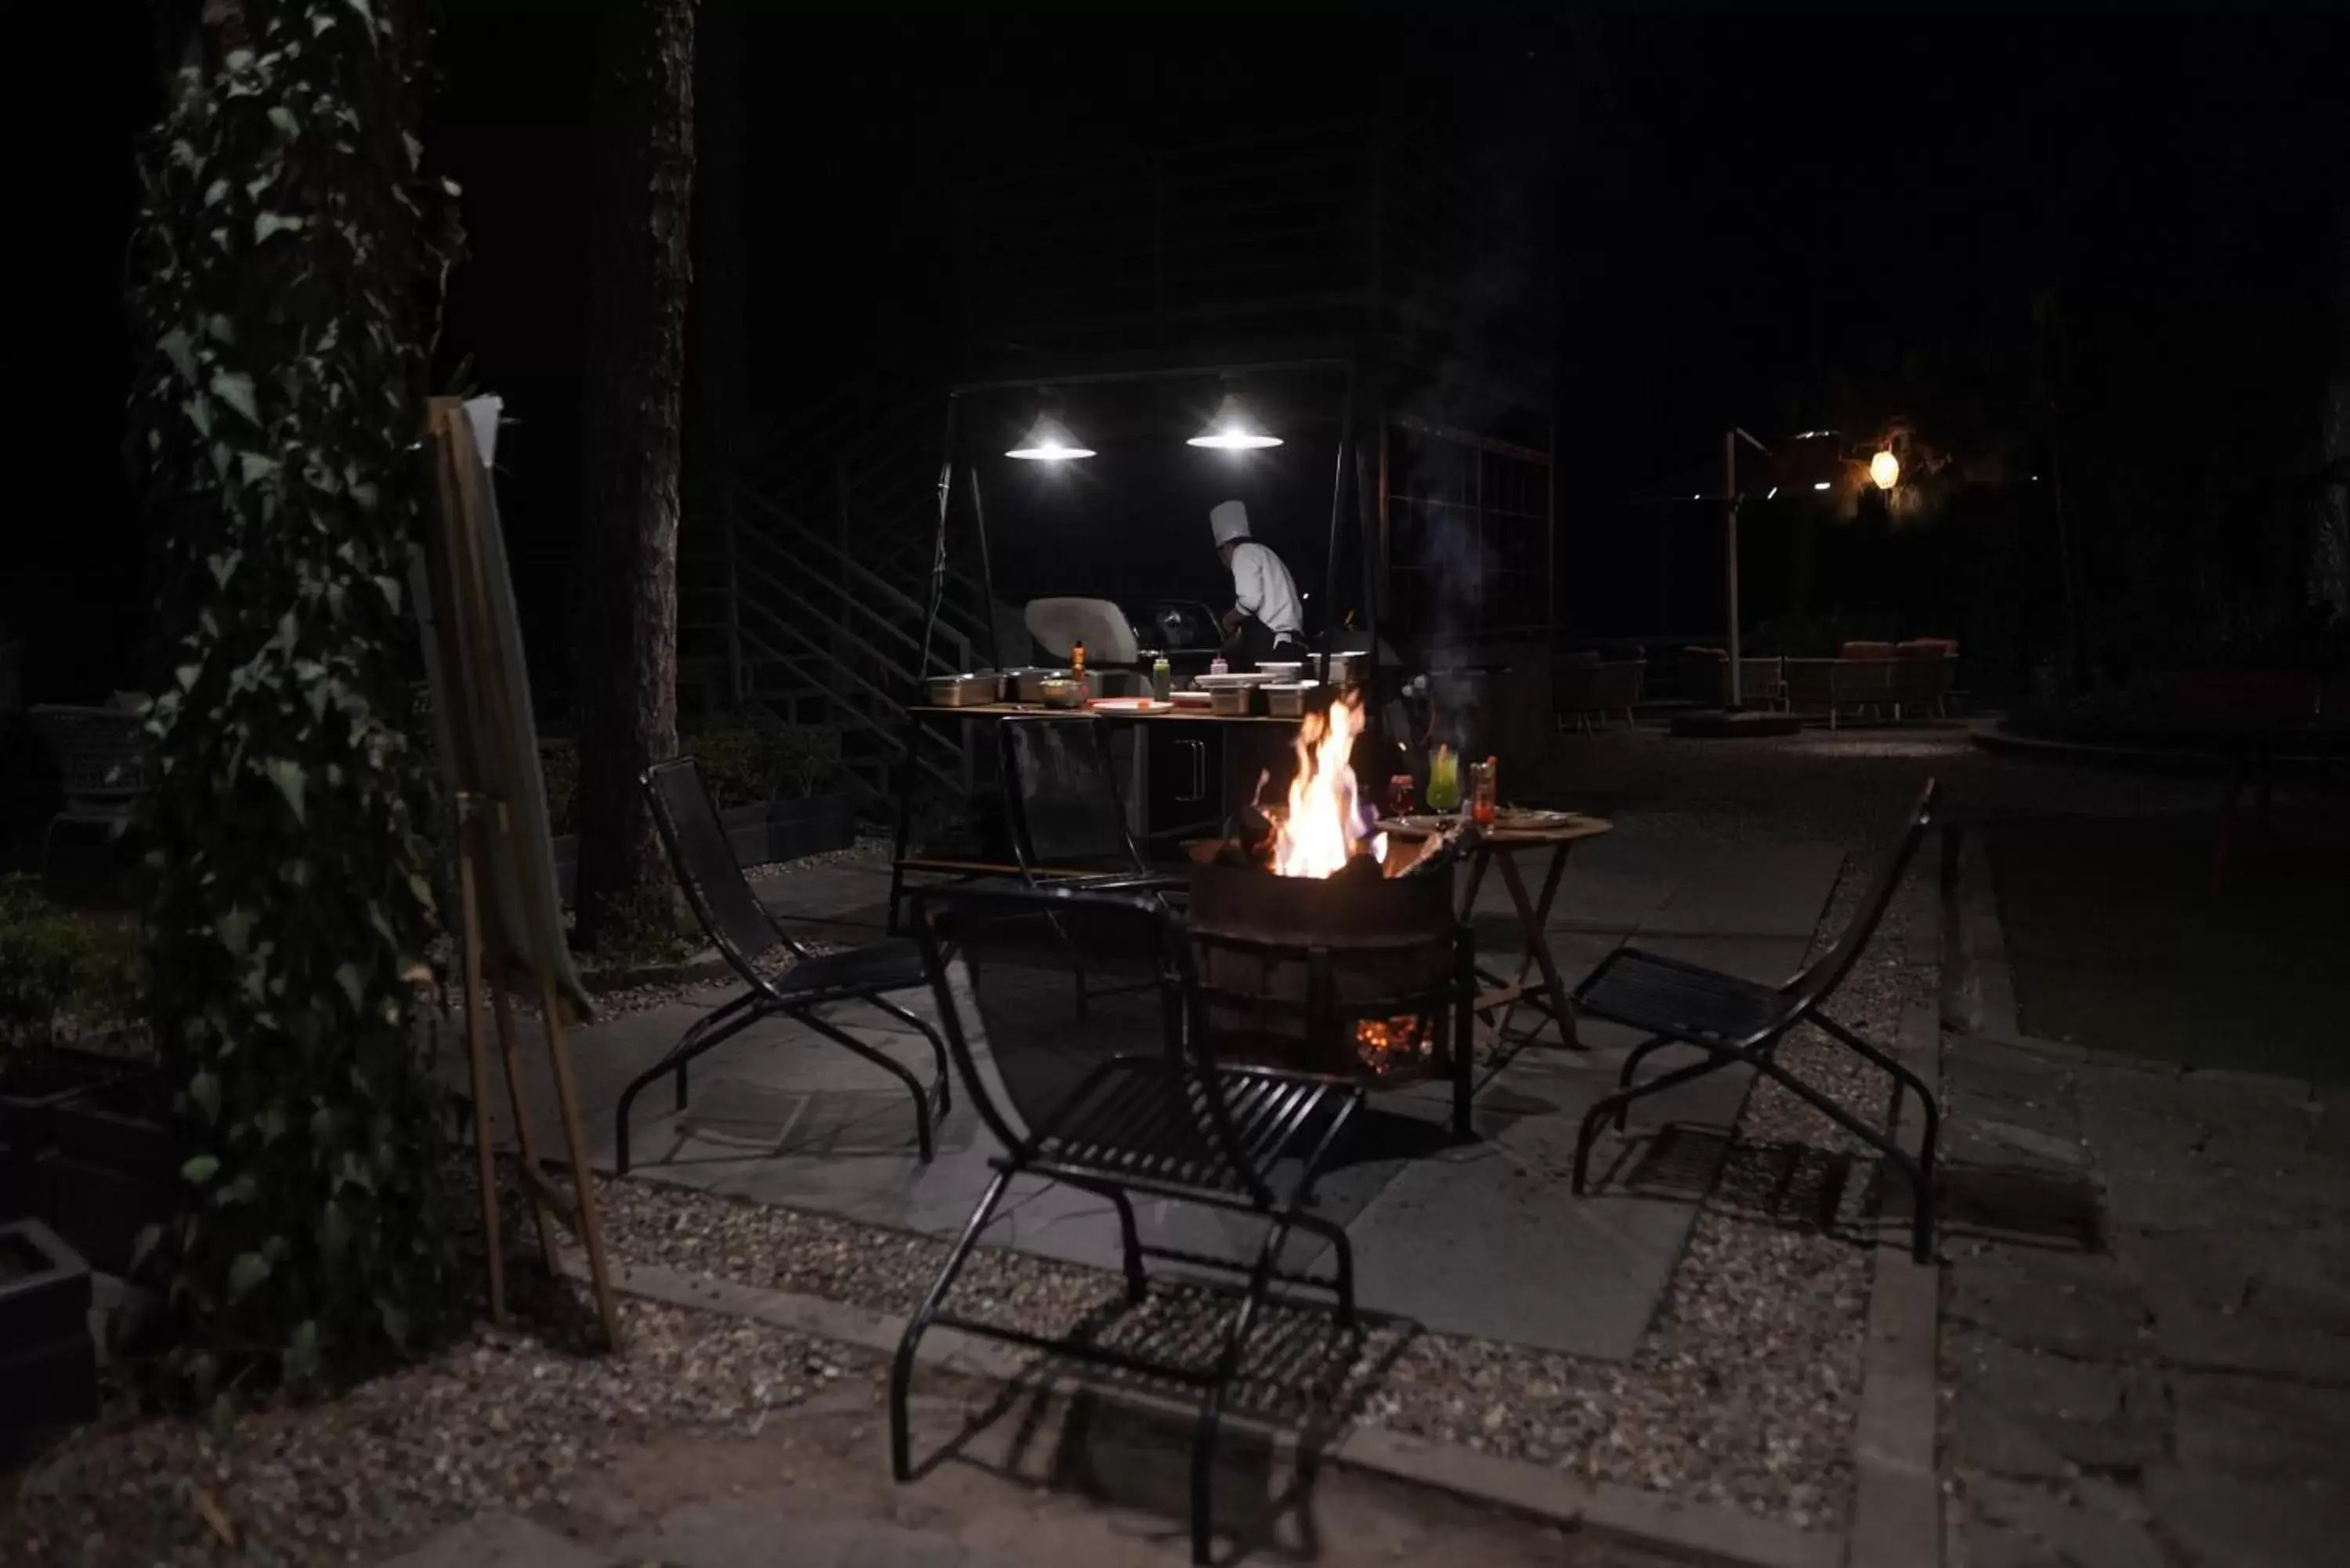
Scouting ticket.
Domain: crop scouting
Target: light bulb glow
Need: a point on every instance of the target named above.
(1232, 429)
(1048, 440)
(1885, 470)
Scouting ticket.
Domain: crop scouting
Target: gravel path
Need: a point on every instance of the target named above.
(506, 1420)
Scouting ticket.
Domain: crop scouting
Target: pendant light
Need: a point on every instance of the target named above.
(1048, 440)
(1233, 429)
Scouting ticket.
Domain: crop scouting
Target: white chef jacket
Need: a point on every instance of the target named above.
(1262, 588)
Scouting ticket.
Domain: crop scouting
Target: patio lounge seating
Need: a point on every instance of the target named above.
(741, 929)
(1114, 1089)
(101, 755)
(1705, 679)
(1737, 1021)
(1620, 683)
(1923, 671)
(1574, 691)
(1585, 688)
(1068, 826)
(1839, 689)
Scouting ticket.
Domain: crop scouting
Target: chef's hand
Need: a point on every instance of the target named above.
(1231, 621)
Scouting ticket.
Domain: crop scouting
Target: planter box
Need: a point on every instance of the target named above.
(758, 832)
(811, 826)
(40, 1081)
(113, 1168)
(49, 1361)
(22, 1179)
(746, 831)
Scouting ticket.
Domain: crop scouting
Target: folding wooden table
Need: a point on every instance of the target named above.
(1515, 833)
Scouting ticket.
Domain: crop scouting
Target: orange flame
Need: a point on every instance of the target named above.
(1385, 1044)
(1326, 824)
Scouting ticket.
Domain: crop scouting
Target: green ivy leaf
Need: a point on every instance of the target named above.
(205, 1091)
(200, 1169)
(149, 1237)
(354, 985)
(283, 118)
(234, 388)
(334, 1228)
(249, 1270)
(177, 349)
(288, 776)
(235, 929)
(395, 1322)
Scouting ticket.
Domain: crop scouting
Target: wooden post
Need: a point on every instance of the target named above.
(469, 938)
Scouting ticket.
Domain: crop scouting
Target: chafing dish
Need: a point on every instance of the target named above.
(1288, 698)
(965, 691)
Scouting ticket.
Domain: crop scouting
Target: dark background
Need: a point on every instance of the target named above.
(1804, 217)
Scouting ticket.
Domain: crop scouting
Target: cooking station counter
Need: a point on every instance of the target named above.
(1112, 714)
(1179, 771)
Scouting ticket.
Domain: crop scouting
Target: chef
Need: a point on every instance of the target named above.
(1265, 621)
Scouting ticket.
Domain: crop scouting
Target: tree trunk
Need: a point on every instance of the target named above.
(626, 667)
(714, 325)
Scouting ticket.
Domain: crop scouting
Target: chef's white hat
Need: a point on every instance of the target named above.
(1230, 520)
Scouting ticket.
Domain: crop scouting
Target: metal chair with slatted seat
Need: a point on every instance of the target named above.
(741, 929)
(1738, 1021)
(1117, 1091)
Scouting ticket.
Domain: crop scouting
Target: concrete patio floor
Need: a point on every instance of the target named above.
(1483, 1239)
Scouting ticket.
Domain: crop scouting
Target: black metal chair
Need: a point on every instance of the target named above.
(741, 929)
(1736, 1020)
(1068, 826)
(1117, 1091)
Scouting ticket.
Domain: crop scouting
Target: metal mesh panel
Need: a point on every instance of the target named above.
(1058, 771)
(704, 861)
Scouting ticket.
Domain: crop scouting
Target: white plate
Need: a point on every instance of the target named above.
(1238, 677)
(1280, 670)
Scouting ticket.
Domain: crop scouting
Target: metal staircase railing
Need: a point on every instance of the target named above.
(823, 624)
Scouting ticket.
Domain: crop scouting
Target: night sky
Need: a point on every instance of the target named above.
(1773, 216)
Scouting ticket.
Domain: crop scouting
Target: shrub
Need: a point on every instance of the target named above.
(55, 964)
(746, 763)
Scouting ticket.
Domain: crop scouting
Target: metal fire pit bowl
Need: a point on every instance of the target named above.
(1292, 967)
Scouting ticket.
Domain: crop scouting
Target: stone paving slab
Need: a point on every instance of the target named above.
(499, 1541)
(1486, 1240)
(2184, 1386)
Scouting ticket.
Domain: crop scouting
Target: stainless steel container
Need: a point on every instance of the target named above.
(1341, 668)
(1028, 685)
(1061, 691)
(1231, 701)
(1288, 698)
(965, 691)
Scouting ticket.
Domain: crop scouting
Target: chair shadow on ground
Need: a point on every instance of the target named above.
(1124, 1440)
(1782, 1183)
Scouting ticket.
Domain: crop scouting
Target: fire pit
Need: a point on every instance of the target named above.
(1327, 949)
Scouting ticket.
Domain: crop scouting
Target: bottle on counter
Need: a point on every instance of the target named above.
(1220, 666)
(1076, 661)
(1162, 678)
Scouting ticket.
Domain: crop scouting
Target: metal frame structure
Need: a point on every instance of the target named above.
(952, 458)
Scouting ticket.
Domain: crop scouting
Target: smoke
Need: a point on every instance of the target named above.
(1484, 304)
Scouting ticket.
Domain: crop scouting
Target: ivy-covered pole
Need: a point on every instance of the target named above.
(282, 272)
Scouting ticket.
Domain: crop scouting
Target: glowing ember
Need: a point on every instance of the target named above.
(1327, 824)
(1384, 1044)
